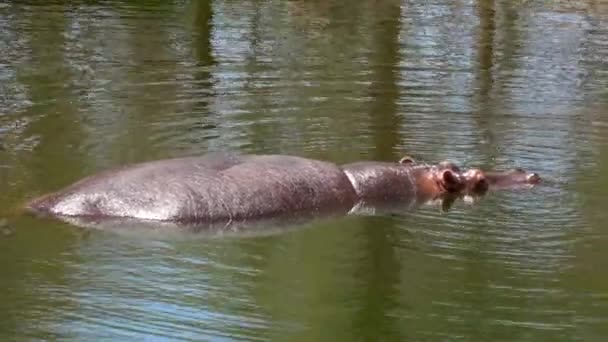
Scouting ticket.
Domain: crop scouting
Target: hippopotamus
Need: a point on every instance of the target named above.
(226, 188)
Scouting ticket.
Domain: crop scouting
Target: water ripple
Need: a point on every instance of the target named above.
(86, 86)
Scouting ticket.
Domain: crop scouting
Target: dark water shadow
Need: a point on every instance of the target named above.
(380, 268)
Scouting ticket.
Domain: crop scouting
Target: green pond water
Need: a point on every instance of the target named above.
(89, 85)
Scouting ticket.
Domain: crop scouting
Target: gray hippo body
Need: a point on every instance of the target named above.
(207, 189)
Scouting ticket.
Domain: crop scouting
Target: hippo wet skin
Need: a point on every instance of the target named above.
(231, 188)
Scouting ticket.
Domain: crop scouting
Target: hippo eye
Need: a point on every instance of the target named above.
(533, 178)
(481, 186)
(519, 169)
(450, 166)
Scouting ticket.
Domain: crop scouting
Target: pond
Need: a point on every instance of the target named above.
(91, 85)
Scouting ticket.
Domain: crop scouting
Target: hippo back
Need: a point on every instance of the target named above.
(211, 188)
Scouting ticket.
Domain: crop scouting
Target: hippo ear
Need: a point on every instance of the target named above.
(407, 160)
(451, 181)
(533, 178)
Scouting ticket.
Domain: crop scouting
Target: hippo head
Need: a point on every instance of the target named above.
(439, 180)
(444, 183)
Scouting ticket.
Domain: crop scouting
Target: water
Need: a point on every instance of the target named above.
(90, 85)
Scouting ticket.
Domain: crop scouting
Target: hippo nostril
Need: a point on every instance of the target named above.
(446, 164)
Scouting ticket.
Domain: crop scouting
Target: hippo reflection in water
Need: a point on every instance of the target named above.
(223, 189)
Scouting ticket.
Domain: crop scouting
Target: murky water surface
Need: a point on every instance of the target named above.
(90, 85)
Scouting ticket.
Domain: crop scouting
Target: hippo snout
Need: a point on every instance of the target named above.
(512, 178)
